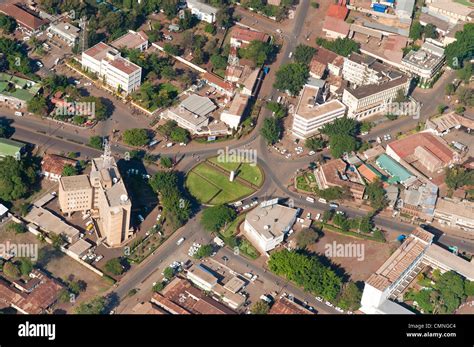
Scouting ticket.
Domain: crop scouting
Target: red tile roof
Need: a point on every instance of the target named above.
(285, 306)
(23, 17)
(336, 11)
(406, 146)
(336, 25)
(55, 164)
(216, 80)
(247, 35)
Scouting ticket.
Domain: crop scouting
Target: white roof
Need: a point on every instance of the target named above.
(3, 210)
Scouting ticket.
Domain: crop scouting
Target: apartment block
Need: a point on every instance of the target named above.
(117, 72)
(424, 63)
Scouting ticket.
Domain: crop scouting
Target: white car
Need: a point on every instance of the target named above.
(320, 299)
(338, 309)
(318, 216)
(308, 215)
(312, 153)
(180, 241)
(329, 304)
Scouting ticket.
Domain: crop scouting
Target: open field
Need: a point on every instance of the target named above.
(205, 181)
(246, 171)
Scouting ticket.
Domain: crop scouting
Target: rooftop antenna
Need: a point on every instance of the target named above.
(107, 156)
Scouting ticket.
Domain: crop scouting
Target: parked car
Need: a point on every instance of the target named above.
(180, 241)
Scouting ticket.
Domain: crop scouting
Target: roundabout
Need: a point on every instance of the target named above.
(209, 181)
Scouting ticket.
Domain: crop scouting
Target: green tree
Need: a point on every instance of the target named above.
(203, 252)
(257, 51)
(271, 130)
(340, 46)
(291, 77)
(17, 228)
(260, 307)
(96, 142)
(376, 195)
(462, 48)
(158, 287)
(465, 73)
(350, 297)
(210, 28)
(216, 217)
(279, 110)
(306, 237)
(38, 105)
(166, 162)
(26, 266)
(416, 30)
(168, 273)
(314, 143)
(430, 31)
(458, 176)
(449, 89)
(16, 178)
(172, 49)
(441, 108)
(218, 61)
(180, 135)
(94, 306)
(114, 266)
(304, 54)
(69, 170)
(7, 23)
(341, 144)
(11, 270)
(136, 137)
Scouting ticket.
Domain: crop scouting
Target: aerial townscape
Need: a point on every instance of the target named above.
(186, 157)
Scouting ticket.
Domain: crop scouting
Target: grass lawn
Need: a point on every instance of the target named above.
(231, 191)
(251, 174)
(247, 249)
(232, 227)
(464, 2)
(200, 188)
(302, 184)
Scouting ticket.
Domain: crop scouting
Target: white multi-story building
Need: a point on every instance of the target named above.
(266, 225)
(312, 112)
(425, 63)
(233, 115)
(117, 72)
(202, 11)
(362, 70)
(192, 113)
(455, 213)
(366, 101)
(65, 31)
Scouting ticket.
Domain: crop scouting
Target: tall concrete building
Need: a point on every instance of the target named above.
(102, 192)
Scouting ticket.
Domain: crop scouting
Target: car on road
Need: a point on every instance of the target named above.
(18, 113)
(323, 201)
(308, 215)
(318, 298)
(310, 199)
(317, 216)
(290, 55)
(329, 304)
(333, 205)
(338, 309)
(224, 258)
(180, 241)
(312, 153)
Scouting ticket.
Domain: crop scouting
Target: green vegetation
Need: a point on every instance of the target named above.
(153, 97)
(314, 143)
(307, 272)
(257, 51)
(247, 171)
(96, 142)
(350, 297)
(459, 176)
(306, 237)
(466, 72)
(340, 46)
(177, 134)
(168, 273)
(280, 110)
(291, 77)
(416, 30)
(166, 162)
(461, 49)
(376, 195)
(7, 23)
(17, 177)
(246, 248)
(177, 207)
(304, 54)
(69, 170)
(17, 228)
(271, 130)
(11, 270)
(260, 307)
(136, 137)
(203, 252)
(216, 217)
(342, 136)
(114, 266)
(94, 306)
(15, 56)
(445, 296)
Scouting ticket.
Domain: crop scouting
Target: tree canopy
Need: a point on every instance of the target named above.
(291, 77)
(136, 137)
(17, 178)
(340, 46)
(257, 51)
(304, 54)
(214, 218)
(461, 49)
(271, 129)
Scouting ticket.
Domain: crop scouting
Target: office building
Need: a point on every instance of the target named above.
(202, 11)
(425, 62)
(66, 32)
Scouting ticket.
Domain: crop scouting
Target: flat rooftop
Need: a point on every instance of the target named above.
(456, 208)
(308, 109)
(238, 105)
(72, 183)
(130, 40)
(371, 89)
(199, 105)
(271, 221)
(49, 222)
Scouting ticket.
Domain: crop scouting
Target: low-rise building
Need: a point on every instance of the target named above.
(28, 21)
(443, 124)
(241, 37)
(286, 306)
(16, 92)
(313, 112)
(335, 28)
(425, 150)
(325, 60)
(455, 213)
(266, 225)
(66, 32)
(425, 62)
(52, 166)
(420, 202)
(235, 113)
(117, 72)
(222, 86)
(132, 40)
(37, 295)
(451, 9)
(202, 11)
(392, 168)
